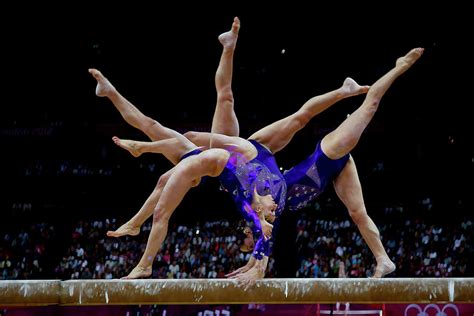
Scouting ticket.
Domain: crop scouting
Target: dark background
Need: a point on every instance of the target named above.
(163, 59)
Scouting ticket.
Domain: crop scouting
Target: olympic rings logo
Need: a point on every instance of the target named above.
(432, 307)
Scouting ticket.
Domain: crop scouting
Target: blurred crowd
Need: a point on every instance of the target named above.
(214, 248)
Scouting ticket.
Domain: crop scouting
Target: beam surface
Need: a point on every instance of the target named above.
(29, 292)
(226, 291)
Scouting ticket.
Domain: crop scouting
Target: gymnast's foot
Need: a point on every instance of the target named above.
(125, 229)
(350, 88)
(405, 62)
(129, 145)
(139, 273)
(229, 39)
(104, 88)
(384, 266)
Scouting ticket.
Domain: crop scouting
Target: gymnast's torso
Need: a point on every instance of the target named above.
(308, 179)
(240, 177)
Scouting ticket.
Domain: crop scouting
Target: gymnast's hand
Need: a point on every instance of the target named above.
(243, 269)
(267, 229)
(257, 272)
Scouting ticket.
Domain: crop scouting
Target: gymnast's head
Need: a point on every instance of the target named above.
(265, 205)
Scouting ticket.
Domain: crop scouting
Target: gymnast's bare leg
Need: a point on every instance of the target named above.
(156, 132)
(132, 227)
(339, 143)
(349, 190)
(186, 175)
(342, 140)
(278, 134)
(153, 129)
(232, 143)
(225, 121)
(137, 148)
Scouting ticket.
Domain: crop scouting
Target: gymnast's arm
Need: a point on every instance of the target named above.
(259, 234)
(259, 260)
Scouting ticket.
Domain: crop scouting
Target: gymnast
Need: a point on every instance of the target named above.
(330, 162)
(224, 120)
(241, 152)
(179, 150)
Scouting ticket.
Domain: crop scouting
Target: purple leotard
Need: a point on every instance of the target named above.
(304, 181)
(240, 177)
(193, 152)
(310, 178)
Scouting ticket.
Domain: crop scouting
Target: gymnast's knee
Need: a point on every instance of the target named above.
(302, 118)
(149, 125)
(359, 215)
(371, 103)
(161, 216)
(161, 182)
(225, 95)
(190, 135)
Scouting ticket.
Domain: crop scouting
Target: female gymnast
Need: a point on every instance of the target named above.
(256, 190)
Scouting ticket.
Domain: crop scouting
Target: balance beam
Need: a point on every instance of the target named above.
(226, 291)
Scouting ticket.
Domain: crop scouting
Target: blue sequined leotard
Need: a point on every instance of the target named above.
(309, 178)
(193, 152)
(293, 190)
(305, 182)
(240, 177)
